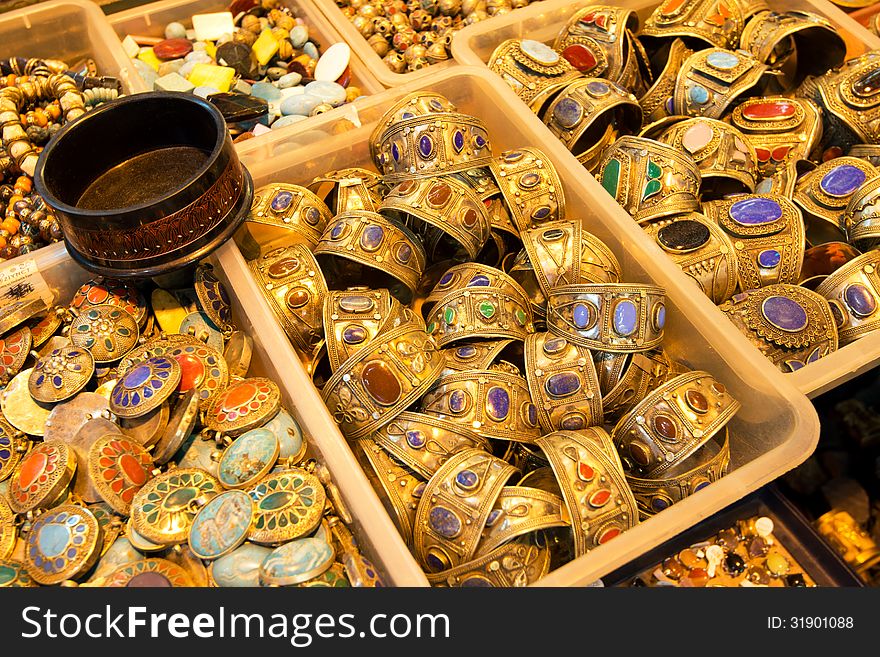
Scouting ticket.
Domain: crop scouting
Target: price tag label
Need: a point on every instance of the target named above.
(22, 280)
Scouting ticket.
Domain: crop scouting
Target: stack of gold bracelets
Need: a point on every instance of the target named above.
(136, 450)
(742, 143)
(507, 394)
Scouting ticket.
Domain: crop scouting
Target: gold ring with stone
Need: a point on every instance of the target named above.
(824, 193)
(672, 422)
(446, 211)
(534, 71)
(365, 248)
(477, 354)
(563, 382)
(711, 80)
(479, 313)
(398, 488)
(593, 486)
(791, 325)
(521, 510)
(455, 506)
(294, 287)
(650, 179)
(424, 442)
(718, 24)
(623, 317)
(726, 159)
(585, 110)
(531, 187)
(701, 249)
(349, 189)
(862, 217)
(768, 237)
(292, 208)
(493, 403)
(594, 41)
(707, 465)
(516, 564)
(639, 373)
(657, 100)
(353, 318)
(867, 152)
(798, 43)
(850, 100)
(853, 291)
(782, 130)
(431, 145)
(382, 380)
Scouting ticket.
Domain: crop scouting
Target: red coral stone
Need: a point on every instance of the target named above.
(579, 56)
(774, 109)
(173, 48)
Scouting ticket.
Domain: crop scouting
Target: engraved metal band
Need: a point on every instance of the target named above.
(292, 208)
(701, 249)
(416, 104)
(476, 355)
(424, 442)
(521, 510)
(531, 187)
(710, 80)
(849, 94)
(717, 23)
(492, 403)
(602, 30)
(353, 318)
(854, 293)
(706, 466)
(608, 317)
(382, 380)
(656, 102)
(672, 422)
(534, 79)
(390, 251)
(862, 216)
(563, 382)
(480, 312)
(516, 564)
(593, 486)
(642, 373)
(350, 189)
(455, 506)
(768, 237)
(294, 287)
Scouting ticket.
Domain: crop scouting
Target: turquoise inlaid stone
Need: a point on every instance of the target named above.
(199, 324)
(241, 567)
(722, 60)
(300, 104)
(297, 561)
(53, 539)
(248, 458)
(699, 94)
(221, 525)
(288, 433)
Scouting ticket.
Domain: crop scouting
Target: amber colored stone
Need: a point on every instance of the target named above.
(769, 110)
(172, 48)
(579, 56)
(698, 577)
(832, 153)
(689, 559)
(824, 259)
(299, 67)
(345, 79)
(672, 569)
(239, 396)
(240, 6)
(696, 400)
(665, 427)
(297, 298)
(380, 383)
(639, 453)
(244, 136)
(439, 194)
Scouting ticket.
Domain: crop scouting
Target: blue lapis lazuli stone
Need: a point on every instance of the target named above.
(573, 423)
(444, 522)
(769, 258)
(701, 486)
(722, 60)
(395, 152)
(336, 232)
(282, 201)
(755, 211)
(581, 315)
(137, 377)
(415, 438)
(597, 88)
(842, 180)
(626, 317)
(426, 146)
(458, 140)
(661, 317)
(468, 351)
(446, 279)
(699, 94)
(659, 504)
(404, 253)
(436, 104)
(479, 280)
(859, 300)
(457, 401)
(372, 237)
(480, 141)
(532, 414)
(563, 384)
(467, 479)
(497, 403)
(784, 313)
(568, 112)
(407, 115)
(354, 334)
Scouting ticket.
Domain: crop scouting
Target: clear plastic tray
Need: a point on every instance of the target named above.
(69, 30)
(777, 427)
(151, 19)
(474, 46)
(373, 528)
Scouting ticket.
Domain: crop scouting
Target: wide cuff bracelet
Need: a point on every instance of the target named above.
(718, 24)
(853, 292)
(365, 248)
(516, 564)
(352, 318)
(530, 186)
(455, 507)
(563, 383)
(642, 372)
(862, 216)
(476, 355)
(292, 208)
(768, 236)
(594, 41)
(593, 486)
(350, 189)
(672, 422)
(791, 325)
(521, 510)
(492, 403)
(456, 217)
(657, 101)
(608, 317)
(710, 80)
(480, 312)
(382, 380)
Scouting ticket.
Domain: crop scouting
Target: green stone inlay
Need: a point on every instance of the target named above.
(431, 328)
(449, 315)
(653, 187)
(654, 169)
(487, 309)
(520, 317)
(611, 176)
